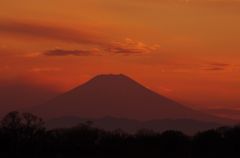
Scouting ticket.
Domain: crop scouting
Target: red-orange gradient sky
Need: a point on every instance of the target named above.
(188, 50)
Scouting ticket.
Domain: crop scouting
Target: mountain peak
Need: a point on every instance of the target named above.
(112, 79)
(110, 76)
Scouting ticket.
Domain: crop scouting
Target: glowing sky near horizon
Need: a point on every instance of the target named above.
(188, 50)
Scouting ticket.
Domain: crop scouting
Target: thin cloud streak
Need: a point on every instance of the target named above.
(127, 47)
(130, 46)
(82, 37)
(61, 52)
(41, 31)
(216, 66)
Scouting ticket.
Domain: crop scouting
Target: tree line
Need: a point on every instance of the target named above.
(25, 135)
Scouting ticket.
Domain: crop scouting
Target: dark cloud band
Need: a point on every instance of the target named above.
(61, 52)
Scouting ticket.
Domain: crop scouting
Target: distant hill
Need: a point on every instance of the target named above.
(118, 96)
(187, 126)
(225, 112)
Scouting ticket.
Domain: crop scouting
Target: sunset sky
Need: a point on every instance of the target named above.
(188, 50)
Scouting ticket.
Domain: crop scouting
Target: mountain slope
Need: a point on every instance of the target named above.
(118, 96)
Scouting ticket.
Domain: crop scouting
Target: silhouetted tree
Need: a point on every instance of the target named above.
(20, 133)
(24, 135)
(232, 141)
(12, 121)
(209, 144)
(175, 143)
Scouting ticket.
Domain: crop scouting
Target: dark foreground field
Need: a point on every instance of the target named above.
(24, 135)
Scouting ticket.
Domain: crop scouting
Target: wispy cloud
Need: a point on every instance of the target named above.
(130, 46)
(45, 31)
(216, 66)
(82, 37)
(62, 52)
(127, 47)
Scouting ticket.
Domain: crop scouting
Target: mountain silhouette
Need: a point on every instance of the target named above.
(117, 96)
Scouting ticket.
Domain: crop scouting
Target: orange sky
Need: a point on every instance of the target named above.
(186, 49)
